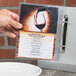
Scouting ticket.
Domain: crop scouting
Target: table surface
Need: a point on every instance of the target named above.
(46, 72)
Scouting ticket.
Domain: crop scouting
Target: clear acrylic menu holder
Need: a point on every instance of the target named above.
(65, 49)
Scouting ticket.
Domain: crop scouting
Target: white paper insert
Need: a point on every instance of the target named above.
(36, 45)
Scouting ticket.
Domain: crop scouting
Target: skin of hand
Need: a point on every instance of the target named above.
(9, 23)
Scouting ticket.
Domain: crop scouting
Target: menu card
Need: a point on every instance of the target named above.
(37, 38)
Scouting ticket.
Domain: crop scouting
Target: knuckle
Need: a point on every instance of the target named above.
(8, 19)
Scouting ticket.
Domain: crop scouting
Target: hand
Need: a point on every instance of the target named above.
(9, 23)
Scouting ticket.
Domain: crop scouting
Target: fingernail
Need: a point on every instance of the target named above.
(20, 25)
(13, 35)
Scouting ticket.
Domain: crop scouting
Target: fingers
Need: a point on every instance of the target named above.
(9, 34)
(15, 24)
(13, 30)
(10, 31)
(14, 20)
(8, 19)
(13, 15)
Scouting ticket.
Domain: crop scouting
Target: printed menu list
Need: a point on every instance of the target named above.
(36, 45)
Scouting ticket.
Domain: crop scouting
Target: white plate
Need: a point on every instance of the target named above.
(18, 69)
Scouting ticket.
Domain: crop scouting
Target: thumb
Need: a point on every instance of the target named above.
(15, 24)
